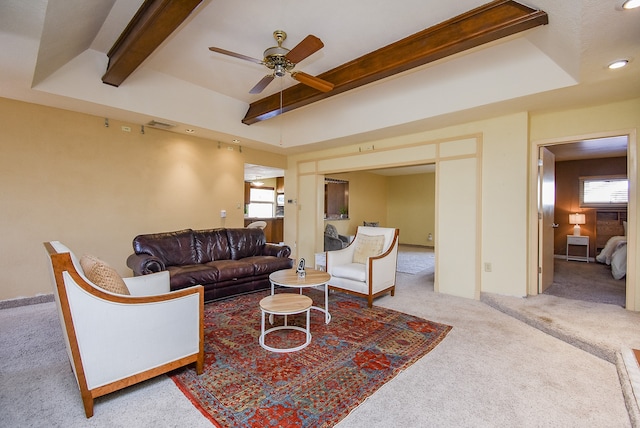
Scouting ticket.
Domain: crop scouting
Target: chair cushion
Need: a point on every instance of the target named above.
(103, 275)
(354, 271)
(367, 246)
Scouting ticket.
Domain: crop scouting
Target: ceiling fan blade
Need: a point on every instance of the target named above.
(262, 84)
(235, 55)
(314, 82)
(306, 47)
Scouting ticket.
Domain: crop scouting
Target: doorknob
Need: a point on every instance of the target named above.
(555, 225)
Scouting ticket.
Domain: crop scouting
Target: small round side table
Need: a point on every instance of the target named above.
(285, 304)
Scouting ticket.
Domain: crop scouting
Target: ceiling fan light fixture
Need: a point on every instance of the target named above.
(279, 70)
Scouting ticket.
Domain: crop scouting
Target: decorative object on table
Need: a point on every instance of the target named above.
(371, 223)
(347, 361)
(300, 270)
(577, 219)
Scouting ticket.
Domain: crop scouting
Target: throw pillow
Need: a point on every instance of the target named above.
(367, 246)
(103, 275)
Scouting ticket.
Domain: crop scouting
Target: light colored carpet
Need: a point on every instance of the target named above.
(492, 370)
(413, 259)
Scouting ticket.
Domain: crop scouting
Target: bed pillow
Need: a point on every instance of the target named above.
(367, 246)
(103, 275)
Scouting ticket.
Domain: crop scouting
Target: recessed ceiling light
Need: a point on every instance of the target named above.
(631, 4)
(618, 64)
(190, 131)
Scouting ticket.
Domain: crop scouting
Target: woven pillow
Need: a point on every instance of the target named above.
(367, 246)
(103, 275)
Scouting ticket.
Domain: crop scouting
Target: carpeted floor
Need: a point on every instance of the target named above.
(347, 360)
(491, 371)
(413, 259)
(591, 282)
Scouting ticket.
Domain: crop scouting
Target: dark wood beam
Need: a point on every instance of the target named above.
(487, 23)
(151, 25)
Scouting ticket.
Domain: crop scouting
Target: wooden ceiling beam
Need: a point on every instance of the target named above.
(487, 23)
(151, 25)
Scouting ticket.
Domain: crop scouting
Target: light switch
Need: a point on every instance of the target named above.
(223, 213)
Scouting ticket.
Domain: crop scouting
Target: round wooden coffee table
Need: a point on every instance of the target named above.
(285, 304)
(312, 278)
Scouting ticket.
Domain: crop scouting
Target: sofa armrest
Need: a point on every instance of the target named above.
(148, 285)
(276, 250)
(143, 264)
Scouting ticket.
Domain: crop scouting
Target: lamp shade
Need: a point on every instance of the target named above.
(577, 218)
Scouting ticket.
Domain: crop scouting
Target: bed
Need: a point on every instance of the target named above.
(614, 254)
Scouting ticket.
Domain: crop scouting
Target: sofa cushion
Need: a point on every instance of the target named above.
(173, 248)
(212, 244)
(264, 265)
(231, 269)
(367, 246)
(189, 275)
(103, 275)
(245, 242)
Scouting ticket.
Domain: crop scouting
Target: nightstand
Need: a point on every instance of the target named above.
(578, 241)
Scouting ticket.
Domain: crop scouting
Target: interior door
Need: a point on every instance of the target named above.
(546, 225)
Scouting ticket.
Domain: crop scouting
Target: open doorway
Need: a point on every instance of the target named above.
(576, 266)
(399, 197)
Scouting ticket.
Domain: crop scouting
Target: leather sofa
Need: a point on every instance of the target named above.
(225, 261)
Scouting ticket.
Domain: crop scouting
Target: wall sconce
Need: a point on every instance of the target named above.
(577, 219)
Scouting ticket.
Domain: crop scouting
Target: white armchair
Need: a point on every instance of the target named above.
(116, 340)
(367, 267)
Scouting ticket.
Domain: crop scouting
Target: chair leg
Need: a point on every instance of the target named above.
(87, 401)
(200, 364)
(370, 301)
(393, 291)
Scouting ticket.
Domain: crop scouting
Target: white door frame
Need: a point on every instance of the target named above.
(533, 233)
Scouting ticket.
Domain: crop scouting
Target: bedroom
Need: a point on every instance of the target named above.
(604, 226)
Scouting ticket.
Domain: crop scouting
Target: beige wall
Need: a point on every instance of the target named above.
(411, 207)
(65, 176)
(367, 201)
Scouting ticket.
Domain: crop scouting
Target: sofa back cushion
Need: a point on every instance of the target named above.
(245, 242)
(212, 244)
(174, 248)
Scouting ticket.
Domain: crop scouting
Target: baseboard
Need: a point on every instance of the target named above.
(24, 301)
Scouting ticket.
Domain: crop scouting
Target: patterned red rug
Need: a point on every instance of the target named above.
(347, 361)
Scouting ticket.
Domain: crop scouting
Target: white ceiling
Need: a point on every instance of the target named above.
(54, 53)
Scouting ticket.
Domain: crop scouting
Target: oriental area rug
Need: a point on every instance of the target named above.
(244, 385)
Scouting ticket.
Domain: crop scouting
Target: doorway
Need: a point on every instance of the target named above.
(595, 155)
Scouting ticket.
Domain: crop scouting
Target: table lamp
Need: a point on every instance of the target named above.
(577, 220)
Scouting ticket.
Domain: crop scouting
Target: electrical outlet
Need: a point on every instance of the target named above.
(487, 267)
(126, 128)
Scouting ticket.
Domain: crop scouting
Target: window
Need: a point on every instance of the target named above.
(261, 202)
(610, 191)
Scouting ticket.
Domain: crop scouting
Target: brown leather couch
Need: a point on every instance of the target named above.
(225, 261)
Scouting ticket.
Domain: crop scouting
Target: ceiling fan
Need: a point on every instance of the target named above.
(282, 60)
